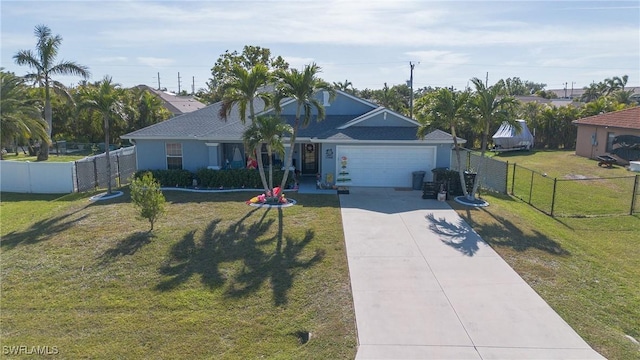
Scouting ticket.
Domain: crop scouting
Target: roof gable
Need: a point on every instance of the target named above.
(624, 119)
(381, 117)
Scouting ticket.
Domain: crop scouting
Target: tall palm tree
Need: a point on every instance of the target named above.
(490, 111)
(621, 81)
(301, 86)
(267, 130)
(42, 61)
(447, 107)
(20, 117)
(105, 98)
(241, 89)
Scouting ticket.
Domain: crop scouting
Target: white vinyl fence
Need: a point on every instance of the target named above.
(66, 177)
(39, 178)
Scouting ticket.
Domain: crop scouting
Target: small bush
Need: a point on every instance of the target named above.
(147, 197)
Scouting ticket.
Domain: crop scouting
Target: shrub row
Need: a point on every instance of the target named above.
(213, 179)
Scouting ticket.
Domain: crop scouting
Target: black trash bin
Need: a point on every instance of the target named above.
(418, 178)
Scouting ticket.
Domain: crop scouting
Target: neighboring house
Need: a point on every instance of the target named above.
(178, 105)
(596, 133)
(380, 146)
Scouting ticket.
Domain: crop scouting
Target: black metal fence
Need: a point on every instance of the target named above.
(576, 196)
(91, 172)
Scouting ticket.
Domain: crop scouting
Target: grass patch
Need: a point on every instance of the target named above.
(585, 268)
(52, 157)
(582, 189)
(216, 279)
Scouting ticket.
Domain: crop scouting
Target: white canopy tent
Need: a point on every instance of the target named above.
(508, 137)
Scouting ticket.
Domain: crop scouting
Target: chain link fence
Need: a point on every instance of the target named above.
(576, 196)
(493, 173)
(91, 172)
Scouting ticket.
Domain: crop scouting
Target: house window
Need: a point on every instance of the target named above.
(610, 137)
(174, 156)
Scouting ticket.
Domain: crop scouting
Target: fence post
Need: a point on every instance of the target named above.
(553, 196)
(506, 178)
(531, 187)
(513, 178)
(633, 196)
(95, 173)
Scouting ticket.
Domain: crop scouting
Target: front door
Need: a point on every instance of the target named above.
(309, 159)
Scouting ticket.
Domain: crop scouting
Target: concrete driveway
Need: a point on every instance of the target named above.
(425, 286)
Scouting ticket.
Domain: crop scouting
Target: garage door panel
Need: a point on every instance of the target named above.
(390, 166)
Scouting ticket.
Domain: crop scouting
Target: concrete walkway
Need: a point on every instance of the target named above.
(425, 286)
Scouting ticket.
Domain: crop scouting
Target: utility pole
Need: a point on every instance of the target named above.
(565, 89)
(158, 80)
(178, 83)
(572, 83)
(411, 65)
(193, 85)
(486, 80)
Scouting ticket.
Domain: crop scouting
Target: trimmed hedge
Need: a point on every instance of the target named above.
(214, 179)
(179, 178)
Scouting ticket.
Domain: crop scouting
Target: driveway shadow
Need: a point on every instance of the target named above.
(459, 236)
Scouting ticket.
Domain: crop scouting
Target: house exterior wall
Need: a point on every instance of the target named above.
(152, 155)
(585, 145)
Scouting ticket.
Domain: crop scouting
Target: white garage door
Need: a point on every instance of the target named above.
(385, 166)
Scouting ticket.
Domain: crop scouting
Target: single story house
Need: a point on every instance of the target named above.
(177, 104)
(596, 134)
(358, 143)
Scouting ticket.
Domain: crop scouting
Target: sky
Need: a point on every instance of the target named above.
(367, 42)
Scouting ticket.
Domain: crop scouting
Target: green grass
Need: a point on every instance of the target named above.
(582, 189)
(52, 157)
(216, 279)
(586, 268)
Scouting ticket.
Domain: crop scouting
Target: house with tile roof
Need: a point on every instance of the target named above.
(597, 134)
(358, 143)
(177, 104)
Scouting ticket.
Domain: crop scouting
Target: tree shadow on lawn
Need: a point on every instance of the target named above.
(239, 241)
(41, 230)
(504, 233)
(127, 246)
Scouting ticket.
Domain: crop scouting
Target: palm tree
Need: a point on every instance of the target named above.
(106, 98)
(621, 82)
(447, 107)
(345, 86)
(490, 110)
(241, 89)
(20, 117)
(301, 86)
(267, 130)
(43, 62)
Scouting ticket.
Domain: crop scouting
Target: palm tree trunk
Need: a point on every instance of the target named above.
(482, 165)
(263, 178)
(106, 151)
(463, 184)
(292, 143)
(43, 155)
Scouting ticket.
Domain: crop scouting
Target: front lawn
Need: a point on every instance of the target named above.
(216, 279)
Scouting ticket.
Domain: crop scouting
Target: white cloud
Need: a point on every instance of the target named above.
(155, 62)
